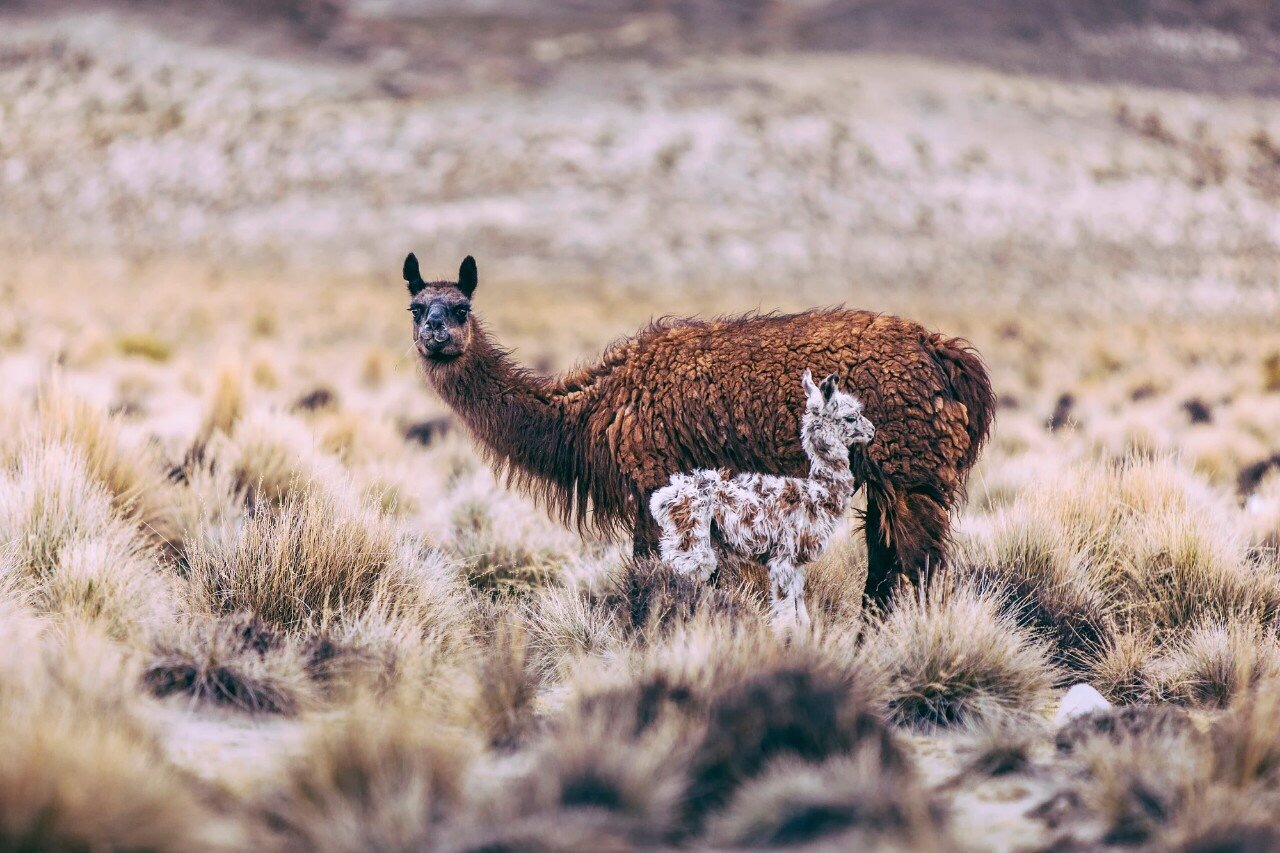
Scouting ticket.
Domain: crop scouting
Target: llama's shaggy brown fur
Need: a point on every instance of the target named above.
(594, 443)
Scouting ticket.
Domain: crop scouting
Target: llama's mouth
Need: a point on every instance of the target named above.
(439, 349)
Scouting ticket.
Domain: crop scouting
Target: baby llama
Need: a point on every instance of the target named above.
(783, 522)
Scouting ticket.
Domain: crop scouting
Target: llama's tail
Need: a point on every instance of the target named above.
(972, 386)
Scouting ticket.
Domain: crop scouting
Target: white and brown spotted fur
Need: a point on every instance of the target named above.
(784, 522)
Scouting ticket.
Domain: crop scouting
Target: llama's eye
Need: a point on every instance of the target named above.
(416, 311)
(461, 312)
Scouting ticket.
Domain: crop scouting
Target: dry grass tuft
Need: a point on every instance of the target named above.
(81, 770)
(564, 624)
(311, 558)
(1213, 664)
(1223, 819)
(808, 712)
(235, 661)
(508, 686)
(1000, 746)
(134, 477)
(948, 656)
(1135, 794)
(1144, 723)
(1246, 740)
(71, 551)
(834, 584)
(226, 405)
(1140, 546)
(614, 773)
(496, 563)
(409, 655)
(647, 599)
(1045, 559)
(848, 802)
(379, 778)
(142, 345)
(723, 702)
(1142, 767)
(1120, 669)
(275, 457)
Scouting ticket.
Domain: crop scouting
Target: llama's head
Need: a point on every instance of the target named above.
(833, 419)
(442, 325)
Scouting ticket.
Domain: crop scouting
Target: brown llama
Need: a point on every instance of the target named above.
(594, 443)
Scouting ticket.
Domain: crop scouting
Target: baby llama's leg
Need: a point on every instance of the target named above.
(786, 586)
(683, 513)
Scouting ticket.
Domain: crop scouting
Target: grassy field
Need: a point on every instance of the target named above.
(258, 590)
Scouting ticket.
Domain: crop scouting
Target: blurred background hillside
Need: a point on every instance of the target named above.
(830, 151)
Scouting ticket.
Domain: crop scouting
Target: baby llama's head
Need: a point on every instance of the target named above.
(833, 420)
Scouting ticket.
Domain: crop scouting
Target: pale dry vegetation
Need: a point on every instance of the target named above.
(258, 591)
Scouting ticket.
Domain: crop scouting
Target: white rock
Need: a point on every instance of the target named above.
(1080, 699)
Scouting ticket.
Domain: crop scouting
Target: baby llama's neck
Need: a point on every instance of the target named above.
(828, 459)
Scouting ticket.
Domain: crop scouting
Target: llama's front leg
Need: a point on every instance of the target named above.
(786, 586)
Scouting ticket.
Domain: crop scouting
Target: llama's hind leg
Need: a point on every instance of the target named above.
(907, 536)
(684, 517)
(644, 541)
(786, 589)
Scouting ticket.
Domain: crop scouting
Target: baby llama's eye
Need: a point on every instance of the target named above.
(416, 311)
(461, 312)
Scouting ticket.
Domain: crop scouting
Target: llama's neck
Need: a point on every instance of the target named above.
(524, 422)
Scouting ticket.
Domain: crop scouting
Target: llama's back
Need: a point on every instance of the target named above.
(725, 393)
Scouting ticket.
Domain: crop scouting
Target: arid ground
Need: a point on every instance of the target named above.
(259, 591)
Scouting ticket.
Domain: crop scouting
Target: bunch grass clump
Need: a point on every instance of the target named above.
(381, 777)
(948, 656)
(1216, 663)
(276, 458)
(847, 802)
(235, 661)
(82, 770)
(496, 563)
(133, 475)
(619, 774)
(565, 624)
(1140, 547)
(313, 556)
(718, 704)
(70, 549)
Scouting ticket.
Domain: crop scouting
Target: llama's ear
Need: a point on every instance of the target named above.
(468, 276)
(411, 275)
(828, 386)
(811, 392)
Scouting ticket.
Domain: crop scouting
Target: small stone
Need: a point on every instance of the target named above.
(1080, 699)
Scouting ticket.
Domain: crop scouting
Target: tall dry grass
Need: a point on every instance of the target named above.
(82, 768)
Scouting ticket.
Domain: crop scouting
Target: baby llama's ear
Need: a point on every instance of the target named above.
(828, 386)
(468, 276)
(412, 276)
(811, 392)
